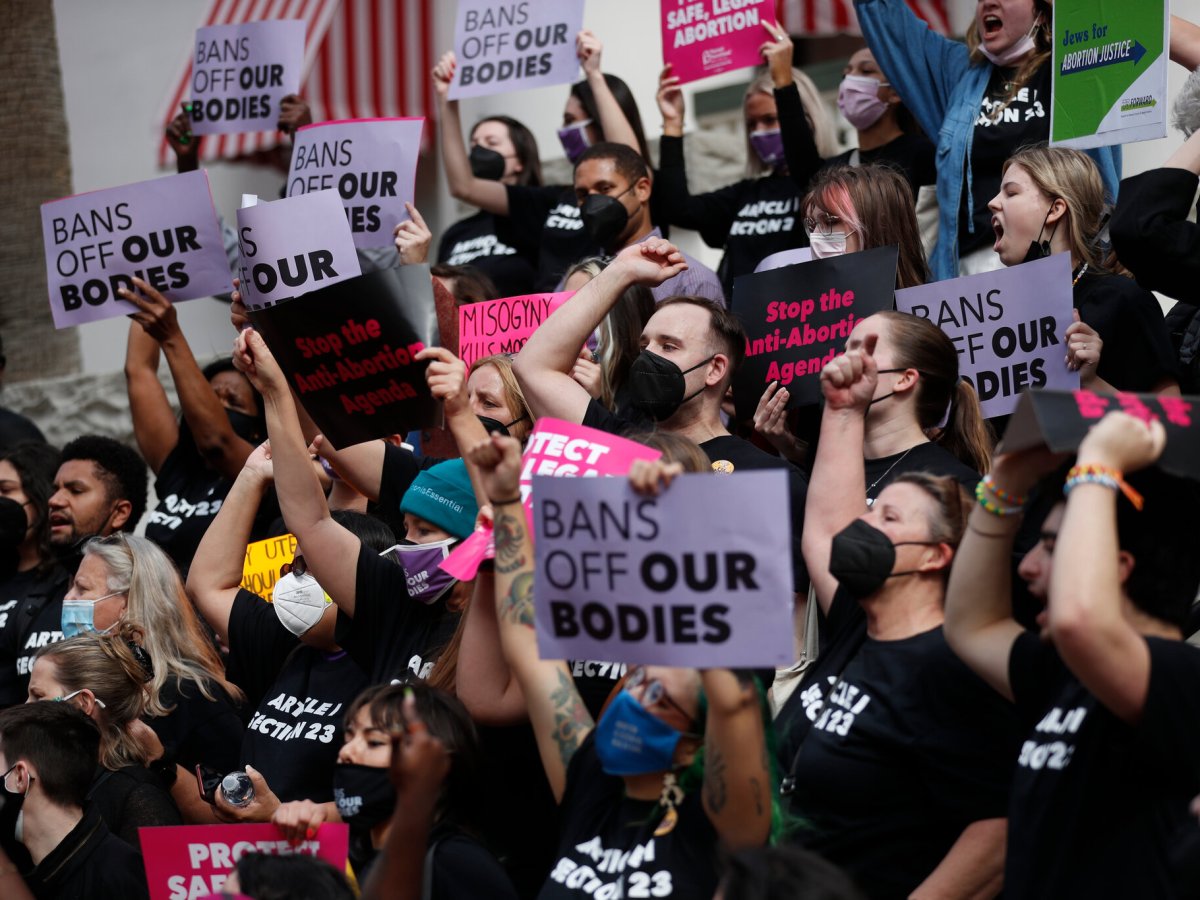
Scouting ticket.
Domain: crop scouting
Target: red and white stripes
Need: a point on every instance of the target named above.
(825, 17)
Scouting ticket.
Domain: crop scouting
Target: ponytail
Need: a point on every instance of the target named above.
(966, 433)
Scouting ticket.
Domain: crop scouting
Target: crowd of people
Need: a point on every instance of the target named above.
(993, 694)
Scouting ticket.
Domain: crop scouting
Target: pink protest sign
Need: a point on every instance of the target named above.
(187, 861)
(292, 246)
(164, 231)
(503, 46)
(561, 448)
(700, 575)
(371, 163)
(1008, 326)
(503, 326)
(241, 72)
(708, 37)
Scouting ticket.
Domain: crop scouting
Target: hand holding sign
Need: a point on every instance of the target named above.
(670, 101)
(848, 381)
(1084, 346)
(294, 113)
(1123, 442)
(650, 477)
(412, 238)
(447, 379)
(588, 48)
(156, 313)
(443, 74)
(253, 359)
(778, 54)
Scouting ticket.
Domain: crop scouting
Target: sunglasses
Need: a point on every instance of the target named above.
(297, 567)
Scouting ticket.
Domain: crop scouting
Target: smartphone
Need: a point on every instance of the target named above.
(208, 780)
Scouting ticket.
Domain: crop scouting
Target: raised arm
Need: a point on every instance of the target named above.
(215, 438)
(613, 123)
(488, 195)
(799, 143)
(559, 717)
(837, 491)
(484, 682)
(737, 778)
(329, 549)
(544, 365)
(1185, 43)
(1089, 629)
(154, 425)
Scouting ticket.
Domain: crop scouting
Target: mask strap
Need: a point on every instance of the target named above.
(1044, 246)
(703, 362)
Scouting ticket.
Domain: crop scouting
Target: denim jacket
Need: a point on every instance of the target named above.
(944, 91)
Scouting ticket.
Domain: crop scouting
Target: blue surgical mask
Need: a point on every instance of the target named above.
(631, 740)
(79, 616)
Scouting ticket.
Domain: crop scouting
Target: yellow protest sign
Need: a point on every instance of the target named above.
(260, 571)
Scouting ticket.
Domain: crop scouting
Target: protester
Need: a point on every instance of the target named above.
(1052, 201)
(784, 873)
(265, 876)
(1106, 691)
(48, 754)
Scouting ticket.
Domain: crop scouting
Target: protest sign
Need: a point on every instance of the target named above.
(503, 326)
(785, 258)
(372, 163)
(663, 580)
(292, 246)
(798, 318)
(707, 37)
(1060, 419)
(1109, 72)
(241, 72)
(348, 351)
(164, 231)
(186, 861)
(260, 570)
(1007, 325)
(561, 448)
(506, 46)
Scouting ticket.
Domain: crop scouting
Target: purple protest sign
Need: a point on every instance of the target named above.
(241, 72)
(372, 163)
(164, 231)
(709, 37)
(698, 576)
(292, 246)
(1007, 325)
(504, 46)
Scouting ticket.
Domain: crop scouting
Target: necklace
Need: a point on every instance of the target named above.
(1082, 271)
(887, 472)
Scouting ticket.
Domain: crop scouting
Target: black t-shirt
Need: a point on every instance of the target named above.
(1137, 351)
(473, 242)
(546, 220)
(131, 798)
(608, 847)
(30, 618)
(89, 863)
(1000, 131)
(927, 457)
(912, 155)
(199, 731)
(299, 695)
(1096, 802)
(463, 867)
(190, 495)
(391, 636)
(910, 748)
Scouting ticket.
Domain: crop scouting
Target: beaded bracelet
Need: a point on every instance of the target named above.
(1093, 473)
(991, 506)
(1002, 495)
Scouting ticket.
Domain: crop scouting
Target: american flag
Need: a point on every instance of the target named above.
(362, 59)
(825, 17)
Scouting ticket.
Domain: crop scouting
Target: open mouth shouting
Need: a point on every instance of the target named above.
(998, 227)
(992, 26)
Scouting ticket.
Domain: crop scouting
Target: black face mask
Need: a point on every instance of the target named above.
(495, 426)
(364, 794)
(250, 429)
(656, 385)
(486, 163)
(862, 558)
(604, 217)
(1040, 249)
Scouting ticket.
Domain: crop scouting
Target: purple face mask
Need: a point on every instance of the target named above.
(769, 146)
(574, 139)
(421, 563)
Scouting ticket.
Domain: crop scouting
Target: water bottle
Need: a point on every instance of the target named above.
(237, 788)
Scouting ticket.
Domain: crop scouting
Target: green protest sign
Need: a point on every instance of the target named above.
(1110, 72)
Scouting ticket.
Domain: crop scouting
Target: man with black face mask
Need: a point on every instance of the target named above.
(613, 187)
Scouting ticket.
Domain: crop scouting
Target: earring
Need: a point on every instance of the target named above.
(671, 797)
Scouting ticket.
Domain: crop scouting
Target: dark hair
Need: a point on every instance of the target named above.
(447, 720)
(526, 146)
(265, 876)
(624, 159)
(59, 741)
(36, 464)
(726, 328)
(371, 531)
(676, 448)
(120, 468)
(784, 873)
(582, 91)
(471, 283)
(919, 344)
(225, 364)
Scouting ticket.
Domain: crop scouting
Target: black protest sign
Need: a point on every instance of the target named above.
(1061, 419)
(798, 318)
(348, 351)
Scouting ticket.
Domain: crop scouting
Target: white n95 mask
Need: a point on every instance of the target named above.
(299, 602)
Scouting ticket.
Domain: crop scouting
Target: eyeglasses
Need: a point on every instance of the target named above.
(654, 692)
(822, 224)
(297, 567)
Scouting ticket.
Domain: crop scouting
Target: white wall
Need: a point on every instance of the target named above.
(120, 58)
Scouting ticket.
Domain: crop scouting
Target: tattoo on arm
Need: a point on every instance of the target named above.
(571, 718)
(507, 535)
(715, 788)
(517, 605)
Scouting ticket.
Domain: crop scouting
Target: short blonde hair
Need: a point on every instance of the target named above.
(1071, 176)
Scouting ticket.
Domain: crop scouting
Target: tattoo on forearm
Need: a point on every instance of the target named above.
(715, 788)
(517, 605)
(507, 533)
(571, 718)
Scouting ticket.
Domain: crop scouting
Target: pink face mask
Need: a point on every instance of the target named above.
(858, 99)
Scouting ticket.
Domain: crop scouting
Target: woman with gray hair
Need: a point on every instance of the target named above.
(191, 706)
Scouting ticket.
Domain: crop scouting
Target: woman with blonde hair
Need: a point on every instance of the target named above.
(191, 707)
(110, 677)
(1051, 200)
